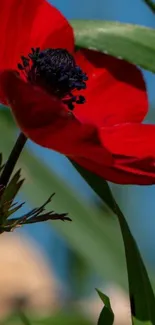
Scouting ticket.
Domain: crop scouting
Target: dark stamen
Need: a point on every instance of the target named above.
(56, 71)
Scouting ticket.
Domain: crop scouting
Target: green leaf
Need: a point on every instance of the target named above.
(141, 294)
(12, 188)
(133, 43)
(105, 299)
(137, 322)
(7, 195)
(34, 216)
(107, 315)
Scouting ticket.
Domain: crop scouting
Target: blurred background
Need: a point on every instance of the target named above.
(50, 271)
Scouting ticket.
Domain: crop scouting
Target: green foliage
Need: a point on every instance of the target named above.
(71, 318)
(133, 43)
(137, 322)
(34, 216)
(141, 294)
(8, 207)
(107, 315)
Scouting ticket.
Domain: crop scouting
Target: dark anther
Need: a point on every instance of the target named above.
(56, 71)
(20, 67)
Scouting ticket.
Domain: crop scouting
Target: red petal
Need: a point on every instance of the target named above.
(51, 29)
(30, 23)
(133, 149)
(125, 171)
(115, 92)
(130, 140)
(46, 121)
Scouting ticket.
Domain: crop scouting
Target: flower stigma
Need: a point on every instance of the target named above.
(56, 71)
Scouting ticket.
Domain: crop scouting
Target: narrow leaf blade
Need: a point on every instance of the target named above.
(107, 315)
(141, 293)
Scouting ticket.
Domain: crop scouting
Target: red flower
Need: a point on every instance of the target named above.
(104, 134)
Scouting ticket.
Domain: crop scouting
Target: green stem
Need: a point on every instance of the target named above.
(11, 162)
(150, 4)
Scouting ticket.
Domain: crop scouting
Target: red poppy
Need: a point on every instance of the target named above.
(99, 127)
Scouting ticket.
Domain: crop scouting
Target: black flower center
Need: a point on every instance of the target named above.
(56, 71)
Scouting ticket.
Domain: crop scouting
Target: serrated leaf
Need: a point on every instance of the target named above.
(33, 216)
(7, 196)
(12, 188)
(107, 315)
(142, 298)
(15, 209)
(133, 43)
